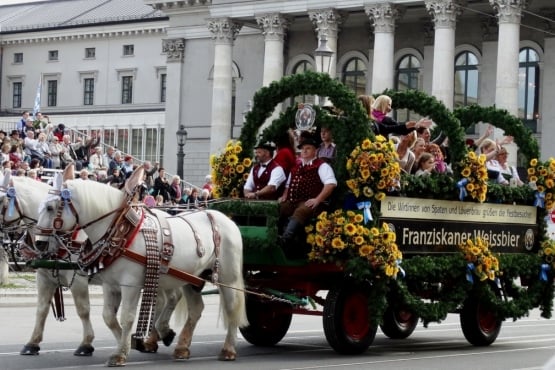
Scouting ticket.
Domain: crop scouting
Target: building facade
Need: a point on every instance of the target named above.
(160, 64)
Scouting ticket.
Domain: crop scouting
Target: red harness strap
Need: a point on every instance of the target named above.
(190, 278)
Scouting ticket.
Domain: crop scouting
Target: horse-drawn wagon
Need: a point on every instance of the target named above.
(426, 247)
(389, 251)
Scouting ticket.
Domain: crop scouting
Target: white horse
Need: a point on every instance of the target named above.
(203, 240)
(20, 198)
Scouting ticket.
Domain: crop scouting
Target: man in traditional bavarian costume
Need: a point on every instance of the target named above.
(308, 187)
(266, 179)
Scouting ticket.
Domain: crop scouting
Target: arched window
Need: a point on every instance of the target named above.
(528, 87)
(354, 75)
(407, 78)
(301, 67)
(466, 79)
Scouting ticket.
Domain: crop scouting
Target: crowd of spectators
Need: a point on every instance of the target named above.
(38, 144)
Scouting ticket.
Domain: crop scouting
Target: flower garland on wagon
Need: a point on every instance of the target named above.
(474, 180)
(373, 168)
(481, 261)
(542, 174)
(230, 170)
(342, 236)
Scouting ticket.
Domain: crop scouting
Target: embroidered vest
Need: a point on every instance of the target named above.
(305, 181)
(261, 181)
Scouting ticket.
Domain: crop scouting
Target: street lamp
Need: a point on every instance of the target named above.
(181, 135)
(324, 54)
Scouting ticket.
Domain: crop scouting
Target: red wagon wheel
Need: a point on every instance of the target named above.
(346, 320)
(268, 322)
(398, 322)
(479, 324)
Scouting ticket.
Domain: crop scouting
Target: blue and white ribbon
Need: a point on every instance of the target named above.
(462, 188)
(469, 270)
(365, 206)
(543, 272)
(10, 193)
(540, 199)
(65, 195)
(401, 271)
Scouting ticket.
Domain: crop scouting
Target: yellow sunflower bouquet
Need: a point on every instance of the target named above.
(474, 182)
(230, 171)
(342, 235)
(373, 168)
(542, 174)
(481, 261)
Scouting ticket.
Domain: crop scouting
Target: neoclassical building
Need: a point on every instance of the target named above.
(207, 58)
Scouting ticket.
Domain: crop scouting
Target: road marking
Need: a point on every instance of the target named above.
(416, 358)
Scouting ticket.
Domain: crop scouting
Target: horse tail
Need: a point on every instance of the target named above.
(232, 303)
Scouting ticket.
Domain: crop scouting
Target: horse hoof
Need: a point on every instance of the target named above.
(181, 354)
(116, 361)
(168, 338)
(149, 347)
(226, 355)
(30, 350)
(84, 350)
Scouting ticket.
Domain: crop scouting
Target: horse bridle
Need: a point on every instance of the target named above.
(10, 203)
(65, 238)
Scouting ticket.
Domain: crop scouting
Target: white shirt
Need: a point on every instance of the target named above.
(277, 177)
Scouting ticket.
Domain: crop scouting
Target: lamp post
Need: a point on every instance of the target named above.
(323, 55)
(181, 135)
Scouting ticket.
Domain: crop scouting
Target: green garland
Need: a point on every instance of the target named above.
(500, 118)
(351, 128)
(429, 106)
(443, 279)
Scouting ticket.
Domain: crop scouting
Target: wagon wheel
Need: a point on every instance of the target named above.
(480, 325)
(347, 323)
(268, 322)
(398, 322)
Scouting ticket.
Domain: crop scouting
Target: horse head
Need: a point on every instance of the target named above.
(19, 199)
(76, 205)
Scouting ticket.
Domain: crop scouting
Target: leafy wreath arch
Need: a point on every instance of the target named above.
(429, 106)
(351, 128)
(500, 118)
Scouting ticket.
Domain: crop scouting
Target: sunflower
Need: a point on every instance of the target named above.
(477, 252)
(475, 172)
(332, 242)
(542, 174)
(372, 166)
(229, 171)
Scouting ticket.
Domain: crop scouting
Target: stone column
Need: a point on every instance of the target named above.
(274, 27)
(175, 55)
(224, 31)
(383, 18)
(548, 95)
(444, 14)
(506, 87)
(327, 22)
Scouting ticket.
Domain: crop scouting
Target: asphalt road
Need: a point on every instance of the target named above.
(522, 345)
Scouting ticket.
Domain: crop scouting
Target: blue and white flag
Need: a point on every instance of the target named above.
(36, 107)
